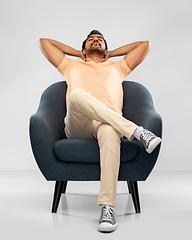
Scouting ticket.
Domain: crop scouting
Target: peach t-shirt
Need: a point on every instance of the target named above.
(102, 78)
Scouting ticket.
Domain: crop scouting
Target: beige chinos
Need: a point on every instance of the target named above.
(88, 118)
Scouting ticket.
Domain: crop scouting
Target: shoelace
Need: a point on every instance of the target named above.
(107, 213)
(146, 136)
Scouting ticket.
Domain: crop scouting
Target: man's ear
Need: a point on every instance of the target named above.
(83, 51)
(105, 54)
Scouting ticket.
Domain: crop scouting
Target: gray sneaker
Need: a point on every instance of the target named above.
(107, 222)
(149, 139)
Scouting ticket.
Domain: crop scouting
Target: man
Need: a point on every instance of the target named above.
(94, 105)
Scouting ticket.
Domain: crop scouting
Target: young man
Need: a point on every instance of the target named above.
(94, 105)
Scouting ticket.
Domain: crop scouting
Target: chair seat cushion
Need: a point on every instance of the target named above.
(84, 150)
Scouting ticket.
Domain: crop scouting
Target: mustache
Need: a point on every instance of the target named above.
(95, 42)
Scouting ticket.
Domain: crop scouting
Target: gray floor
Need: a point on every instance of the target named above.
(26, 199)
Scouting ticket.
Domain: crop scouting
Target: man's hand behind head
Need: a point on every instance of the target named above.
(81, 55)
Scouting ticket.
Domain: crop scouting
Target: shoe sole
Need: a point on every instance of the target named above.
(153, 144)
(106, 227)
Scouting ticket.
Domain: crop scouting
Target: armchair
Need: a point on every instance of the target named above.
(62, 160)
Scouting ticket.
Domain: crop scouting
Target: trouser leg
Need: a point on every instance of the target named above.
(83, 108)
(78, 125)
(87, 117)
(109, 143)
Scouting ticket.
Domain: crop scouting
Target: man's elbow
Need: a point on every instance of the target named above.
(147, 45)
(42, 40)
(43, 43)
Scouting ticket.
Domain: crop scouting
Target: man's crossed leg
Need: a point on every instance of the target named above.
(88, 118)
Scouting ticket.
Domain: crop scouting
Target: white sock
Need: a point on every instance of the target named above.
(137, 134)
(103, 205)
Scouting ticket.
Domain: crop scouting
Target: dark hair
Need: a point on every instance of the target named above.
(94, 32)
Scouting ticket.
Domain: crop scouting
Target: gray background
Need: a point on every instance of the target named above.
(25, 73)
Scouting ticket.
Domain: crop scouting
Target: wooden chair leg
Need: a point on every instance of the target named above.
(135, 195)
(60, 187)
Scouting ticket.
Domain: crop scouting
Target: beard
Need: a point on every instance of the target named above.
(96, 48)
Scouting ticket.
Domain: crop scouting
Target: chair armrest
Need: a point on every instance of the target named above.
(152, 121)
(44, 132)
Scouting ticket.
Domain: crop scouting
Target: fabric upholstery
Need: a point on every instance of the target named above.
(60, 162)
(88, 150)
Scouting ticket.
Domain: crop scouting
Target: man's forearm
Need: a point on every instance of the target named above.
(124, 49)
(62, 47)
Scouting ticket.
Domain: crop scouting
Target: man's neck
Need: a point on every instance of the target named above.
(95, 57)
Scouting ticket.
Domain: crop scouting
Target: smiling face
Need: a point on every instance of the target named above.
(95, 44)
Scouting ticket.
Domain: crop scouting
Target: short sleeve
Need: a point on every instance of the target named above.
(64, 67)
(125, 70)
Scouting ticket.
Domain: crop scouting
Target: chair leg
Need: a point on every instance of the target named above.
(60, 187)
(135, 195)
(64, 187)
(129, 187)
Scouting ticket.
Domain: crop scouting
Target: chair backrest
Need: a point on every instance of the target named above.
(54, 98)
(136, 99)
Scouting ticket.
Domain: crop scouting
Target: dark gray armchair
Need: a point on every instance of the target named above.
(62, 160)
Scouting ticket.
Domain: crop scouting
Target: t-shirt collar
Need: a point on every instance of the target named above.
(99, 61)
